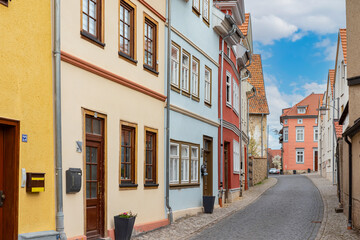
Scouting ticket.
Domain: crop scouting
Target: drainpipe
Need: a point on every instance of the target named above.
(262, 143)
(240, 119)
(168, 116)
(247, 145)
(333, 143)
(349, 226)
(58, 137)
(232, 31)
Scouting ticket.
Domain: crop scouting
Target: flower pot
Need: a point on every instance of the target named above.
(208, 203)
(123, 227)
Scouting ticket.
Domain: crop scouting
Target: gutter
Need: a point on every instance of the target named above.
(58, 136)
(167, 184)
(232, 31)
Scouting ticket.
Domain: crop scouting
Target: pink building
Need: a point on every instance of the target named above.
(300, 135)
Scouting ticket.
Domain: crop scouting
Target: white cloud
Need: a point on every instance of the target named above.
(277, 19)
(328, 47)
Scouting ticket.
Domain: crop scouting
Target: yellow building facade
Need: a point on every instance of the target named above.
(26, 120)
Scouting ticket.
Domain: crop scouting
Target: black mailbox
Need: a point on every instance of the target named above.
(73, 180)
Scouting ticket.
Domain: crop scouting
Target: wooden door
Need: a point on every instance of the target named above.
(316, 160)
(9, 147)
(226, 168)
(95, 215)
(208, 162)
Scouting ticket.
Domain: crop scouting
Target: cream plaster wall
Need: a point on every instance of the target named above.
(255, 133)
(117, 103)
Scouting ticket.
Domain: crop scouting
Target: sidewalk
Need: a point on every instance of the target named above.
(187, 227)
(334, 224)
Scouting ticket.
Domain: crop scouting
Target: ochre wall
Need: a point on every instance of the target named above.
(26, 95)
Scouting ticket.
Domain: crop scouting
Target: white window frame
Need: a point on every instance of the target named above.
(228, 89)
(316, 134)
(195, 77)
(316, 121)
(228, 51)
(236, 100)
(175, 62)
(207, 89)
(174, 165)
(301, 110)
(236, 156)
(300, 152)
(185, 72)
(286, 134)
(206, 10)
(300, 121)
(185, 163)
(298, 132)
(196, 2)
(194, 178)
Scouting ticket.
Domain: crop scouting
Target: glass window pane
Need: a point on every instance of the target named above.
(149, 157)
(85, 6)
(88, 125)
(122, 13)
(87, 172)
(94, 153)
(122, 171)
(88, 190)
(88, 154)
(184, 151)
(92, 9)
(94, 172)
(93, 190)
(92, 26)
(149, 172)
(174, 150)
(128, 155)
(128, 171)
(85, 22)
(96, 126)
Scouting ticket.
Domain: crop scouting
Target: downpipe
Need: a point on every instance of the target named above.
(58, 136)
(167, 192)
(232, 31)
(349, 225)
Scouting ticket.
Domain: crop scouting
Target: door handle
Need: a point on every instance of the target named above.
(2, 198)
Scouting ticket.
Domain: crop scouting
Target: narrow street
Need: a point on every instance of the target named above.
(292, 209)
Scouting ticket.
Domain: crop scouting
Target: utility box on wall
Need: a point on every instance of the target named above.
(35, 182)
(73, 180)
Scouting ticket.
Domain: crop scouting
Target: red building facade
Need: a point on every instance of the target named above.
(300, 135)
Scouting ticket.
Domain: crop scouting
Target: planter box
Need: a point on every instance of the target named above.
(123, 227)
(208, 203)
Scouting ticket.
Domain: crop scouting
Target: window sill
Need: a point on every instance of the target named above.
(196, 11)
(175, 88)
(151, 185)
(186, 94)
(128, 186)
(208, 104)
(188, 185)
(206, 22)
(151, 70)
(92, 39)
(195, 98)
(128, 58)
(228, 105)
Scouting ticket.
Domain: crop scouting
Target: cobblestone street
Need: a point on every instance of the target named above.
(292, 209)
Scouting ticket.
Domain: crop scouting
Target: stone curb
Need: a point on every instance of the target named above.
(233, 211)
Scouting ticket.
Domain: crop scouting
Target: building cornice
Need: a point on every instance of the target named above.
(295, 117)
(232, 127)
(193, 115)
(153, 10)
(353, 81)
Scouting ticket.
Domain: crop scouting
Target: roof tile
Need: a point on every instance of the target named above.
(245, 26)
(312, 104)
(344, 42)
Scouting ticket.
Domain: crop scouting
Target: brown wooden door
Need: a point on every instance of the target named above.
(316, 160)
(95, 215)
(226, 169)
(9, 147)
(208, 162)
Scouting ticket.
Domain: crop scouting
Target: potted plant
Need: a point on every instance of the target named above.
(124, 224)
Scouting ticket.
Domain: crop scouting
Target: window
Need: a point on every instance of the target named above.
(300, 155)
(286, 134)
(175, 60)
(4, 2)
(228, 51)
(228, 89)
(301, 110)
(150, 157)
(195, 77)
(207, 85)
(299, 121)
(196, 6)
(186, 163)
(91, 20)
(316, 134)
(206, 11)
(150, 32)
(127, 155)
(127, 24)
(316, 121)
(236, 156)
(299, 134)
(236, 99)
(286, 121)
(185, 70)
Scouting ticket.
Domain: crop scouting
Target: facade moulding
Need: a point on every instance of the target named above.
(228, 60)
(194, 46)
(353, 81)
(193, 115)
(75, 61)
(231, 127)
(299, 116)
(148, 6)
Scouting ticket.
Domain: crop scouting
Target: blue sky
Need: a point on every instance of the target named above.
(297, 41)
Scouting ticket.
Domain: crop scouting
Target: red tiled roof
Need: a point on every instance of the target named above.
(331, 78)
(257, 104)
(245, 26)
(343, 38)
(338, 129)
(274, 152)
(311, 103)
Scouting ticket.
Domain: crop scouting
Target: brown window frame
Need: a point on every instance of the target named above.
(196, 10)
(131, 8)
(148, 21)
(129, 183)
(98, 37)
(208, 103)
(154, 153)
(4, 2)
(197, 96)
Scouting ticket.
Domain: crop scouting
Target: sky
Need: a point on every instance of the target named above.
(297, 40)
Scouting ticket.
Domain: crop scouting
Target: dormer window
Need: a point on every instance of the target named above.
(301, 110)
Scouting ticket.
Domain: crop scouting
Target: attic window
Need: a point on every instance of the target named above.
(301, 110)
